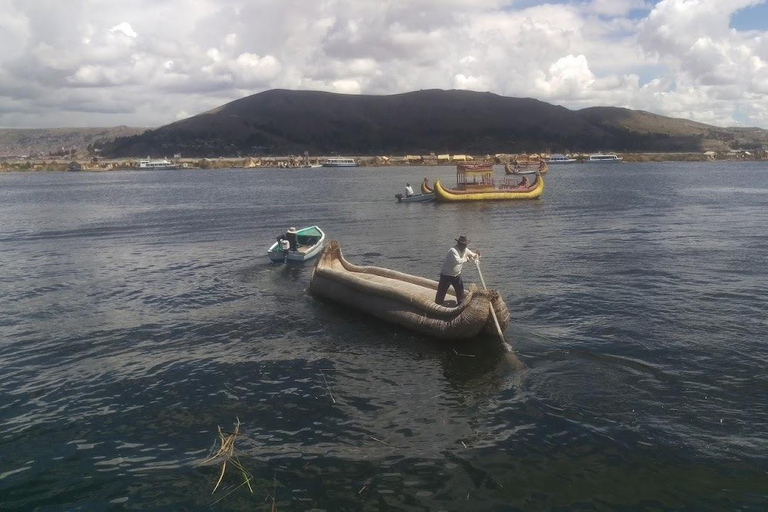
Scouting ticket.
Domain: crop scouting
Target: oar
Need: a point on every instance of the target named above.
(493, 311)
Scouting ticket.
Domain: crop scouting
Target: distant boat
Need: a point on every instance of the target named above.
(309, 243)
(157, 164)
(339, 162)
(476, 183)
(560, 159)
(600, 157)
(527, 167)
(416, 198)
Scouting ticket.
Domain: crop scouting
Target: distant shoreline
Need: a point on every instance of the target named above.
(281, 162)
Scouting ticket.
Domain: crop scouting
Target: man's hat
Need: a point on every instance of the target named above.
(462, 240)
(291, 230)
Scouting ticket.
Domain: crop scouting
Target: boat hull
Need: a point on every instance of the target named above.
(539, 167)
(418, 198)
(404, 299)
(443, 194)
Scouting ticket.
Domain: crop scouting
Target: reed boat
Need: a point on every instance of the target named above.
(526, 167)
(404, 299)
(476, 183)
(426, 188)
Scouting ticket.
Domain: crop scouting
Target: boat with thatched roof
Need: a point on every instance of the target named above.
(404, 299)
(475, 182)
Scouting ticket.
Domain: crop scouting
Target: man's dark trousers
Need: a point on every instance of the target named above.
(445, 282)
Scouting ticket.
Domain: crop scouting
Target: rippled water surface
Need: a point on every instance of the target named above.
(139, 313)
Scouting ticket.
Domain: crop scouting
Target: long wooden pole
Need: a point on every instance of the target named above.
(493, 310)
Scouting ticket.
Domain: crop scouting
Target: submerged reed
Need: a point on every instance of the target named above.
(226, 455)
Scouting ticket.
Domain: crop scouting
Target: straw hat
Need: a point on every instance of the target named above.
(462, 240)
(291, 230)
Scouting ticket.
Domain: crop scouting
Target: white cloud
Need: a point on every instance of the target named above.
(569, 77)
(347, 86)
(125, 29)
(142, 62)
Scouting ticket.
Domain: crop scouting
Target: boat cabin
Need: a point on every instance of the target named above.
(474, 177)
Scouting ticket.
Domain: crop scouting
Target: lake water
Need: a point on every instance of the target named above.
(140, 313)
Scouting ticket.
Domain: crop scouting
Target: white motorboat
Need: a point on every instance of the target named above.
(560, 159)
(600, 157)
(297, 246)
(339, 162)
(148, 163)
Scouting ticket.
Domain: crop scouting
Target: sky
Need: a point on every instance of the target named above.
(146, 63)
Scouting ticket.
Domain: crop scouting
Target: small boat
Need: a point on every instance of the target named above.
(426, 188)
(600, 157)
(526, 167)
(404, 299)
(476, 183)
(560, 159)
(309, 243)
(416, 198)
(148, 163)
(339, 162)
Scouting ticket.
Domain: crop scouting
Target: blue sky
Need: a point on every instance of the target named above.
(751, 18)
(148, 62)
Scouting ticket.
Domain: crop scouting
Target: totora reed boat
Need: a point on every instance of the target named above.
(526, 167)
(404, 299)
(475, 183)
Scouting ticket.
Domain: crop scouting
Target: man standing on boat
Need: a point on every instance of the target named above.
(450, 274)
(408, 190)
(293, 241)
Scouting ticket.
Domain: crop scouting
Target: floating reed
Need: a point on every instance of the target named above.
(226, 455)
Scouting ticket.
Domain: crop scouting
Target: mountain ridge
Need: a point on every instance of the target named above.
(25, 142)
(283, 121)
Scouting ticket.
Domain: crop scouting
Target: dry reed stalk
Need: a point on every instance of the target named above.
(327, 387)
(226, 455)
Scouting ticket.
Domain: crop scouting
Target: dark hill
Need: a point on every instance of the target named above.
(291, 122)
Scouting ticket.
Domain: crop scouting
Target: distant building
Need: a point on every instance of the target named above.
(74, 166)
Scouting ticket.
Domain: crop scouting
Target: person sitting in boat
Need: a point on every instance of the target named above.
(450, 273)
(408, 190)
(293, 242)
(523, 183)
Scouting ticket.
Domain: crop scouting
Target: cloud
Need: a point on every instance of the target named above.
(142, 62)
(125, 29)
